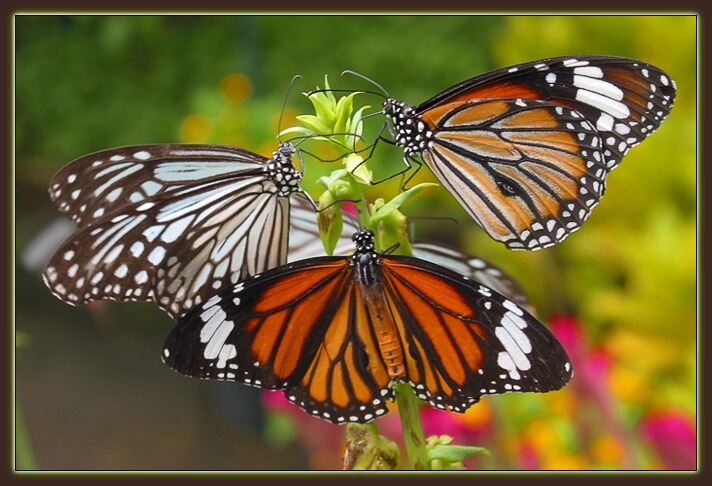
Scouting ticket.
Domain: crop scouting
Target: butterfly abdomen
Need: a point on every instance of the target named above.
(368, 277)
(384, 327)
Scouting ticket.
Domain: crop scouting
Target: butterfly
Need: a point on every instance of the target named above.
(170, 223)
(335, 332)
(526, 149)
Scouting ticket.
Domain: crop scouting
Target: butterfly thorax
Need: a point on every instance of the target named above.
(281, 170)
(411, 133)
(368, 276)
(365, 259)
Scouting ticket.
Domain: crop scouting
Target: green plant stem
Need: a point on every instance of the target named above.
(411, 426)
(25, 458)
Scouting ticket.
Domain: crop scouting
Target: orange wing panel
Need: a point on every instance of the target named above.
(287, 290)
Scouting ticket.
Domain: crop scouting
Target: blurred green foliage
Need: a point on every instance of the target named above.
(85, 83)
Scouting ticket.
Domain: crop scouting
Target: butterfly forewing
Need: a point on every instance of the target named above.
(625, 99)
(97, 184)
(527, 171)
(301, 328)
(215, 223)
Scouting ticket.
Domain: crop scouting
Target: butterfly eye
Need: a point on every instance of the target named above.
(389, 107)
(286, 149)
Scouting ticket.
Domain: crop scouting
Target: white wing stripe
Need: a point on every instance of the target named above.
(116, 178)
(190, 204)
(195, 171)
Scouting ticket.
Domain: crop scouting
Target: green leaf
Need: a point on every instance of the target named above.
(324, 104)
(329, 220)
(395, 203)
(443, 456)
(454, 453)
(355, 164)
(315, 123)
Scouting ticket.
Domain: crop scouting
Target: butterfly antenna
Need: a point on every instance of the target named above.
(301, 139)
(284, 105)
(365, 78)
(310, 200)
(330, 90)
(391, 249)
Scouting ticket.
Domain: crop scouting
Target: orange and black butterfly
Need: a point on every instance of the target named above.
(336, 332)
(526, 149)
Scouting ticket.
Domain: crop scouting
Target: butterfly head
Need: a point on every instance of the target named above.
(397, 110)
(364, 241)
(285, 149)
(282, 171)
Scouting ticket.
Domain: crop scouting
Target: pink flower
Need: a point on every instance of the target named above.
(673, 436)
(591, 366)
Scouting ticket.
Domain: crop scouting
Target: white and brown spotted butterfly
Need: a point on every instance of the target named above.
(526, 149)
(170, 223)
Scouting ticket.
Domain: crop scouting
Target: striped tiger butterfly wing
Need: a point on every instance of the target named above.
(178, 247)
(483, 343)
(301, 328)
(526, 150)
(527, 171)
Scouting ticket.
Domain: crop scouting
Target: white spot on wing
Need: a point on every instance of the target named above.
(157, 254)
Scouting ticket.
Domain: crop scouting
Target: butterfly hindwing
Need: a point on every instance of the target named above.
(527, 171)
(304, 238)
(476, 268)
